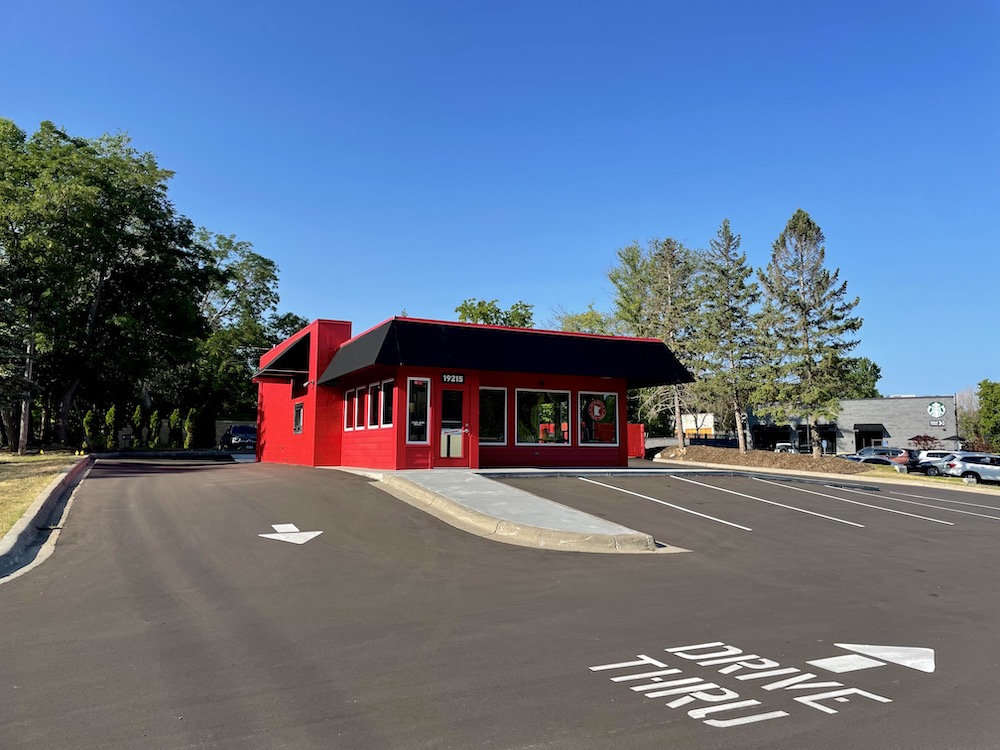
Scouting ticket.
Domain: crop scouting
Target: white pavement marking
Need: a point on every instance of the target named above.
(289, 532)
(855, 502)
(921, 659)
(942, 500)
(848, 663)
(664, 502)
(772, 502)
(935, 507)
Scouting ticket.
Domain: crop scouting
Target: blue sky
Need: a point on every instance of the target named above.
(399, 155)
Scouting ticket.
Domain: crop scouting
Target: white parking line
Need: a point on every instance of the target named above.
(664, 502)
(935, 507)
(855, 502)
(771, 502)
(942, 500)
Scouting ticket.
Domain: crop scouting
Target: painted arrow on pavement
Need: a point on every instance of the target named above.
(920, 659)
(289, 532)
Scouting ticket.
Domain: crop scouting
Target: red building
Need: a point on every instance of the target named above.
(419, 394)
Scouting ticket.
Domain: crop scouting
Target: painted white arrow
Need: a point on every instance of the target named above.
(921, 659)
(289, 532)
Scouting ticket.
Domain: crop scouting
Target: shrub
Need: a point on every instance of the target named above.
(111, 428)
(90, 429)
(174, 423)
(138, 424)
(153, 439)
(190, 424)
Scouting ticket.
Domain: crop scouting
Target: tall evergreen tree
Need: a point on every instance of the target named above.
(726, 341)
(653, 298)
(809, 328)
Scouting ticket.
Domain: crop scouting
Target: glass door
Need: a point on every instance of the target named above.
(453, 430)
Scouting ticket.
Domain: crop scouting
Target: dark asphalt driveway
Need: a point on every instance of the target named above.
(163, 620)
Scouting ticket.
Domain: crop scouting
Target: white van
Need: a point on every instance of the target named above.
(785, 448)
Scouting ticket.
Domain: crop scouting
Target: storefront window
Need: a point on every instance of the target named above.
(387, 391)
(542, 417)
(492, 416)
(417, 401)
(373, 404)
(359, 411)
(598, 419)
(349, 410)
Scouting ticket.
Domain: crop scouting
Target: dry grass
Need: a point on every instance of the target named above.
(766, 459)
(22, 478)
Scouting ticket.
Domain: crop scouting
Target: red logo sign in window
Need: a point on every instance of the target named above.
(597, 410)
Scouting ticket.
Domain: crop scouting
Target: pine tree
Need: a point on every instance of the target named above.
(808, 325)
(726, 342)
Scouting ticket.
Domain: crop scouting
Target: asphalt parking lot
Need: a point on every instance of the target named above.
(172, 615)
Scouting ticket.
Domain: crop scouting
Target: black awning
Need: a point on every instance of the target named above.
(457, 346)
(869, 427)
(290, 363)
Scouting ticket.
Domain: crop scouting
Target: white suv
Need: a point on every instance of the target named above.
(975, 468)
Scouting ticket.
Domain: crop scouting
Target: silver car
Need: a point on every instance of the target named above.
(975, 468)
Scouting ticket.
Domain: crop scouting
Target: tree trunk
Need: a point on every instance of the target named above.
(29, 365)
(741, 436)
(64, 408)
(678, 422)
(817, 446)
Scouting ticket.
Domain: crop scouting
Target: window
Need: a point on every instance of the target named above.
(542, 417)
(598, 419)
(418, 397)
(359, 411)
(373, 404)
(349, 410)
(492, 416)
(297, 419)
(387, 395)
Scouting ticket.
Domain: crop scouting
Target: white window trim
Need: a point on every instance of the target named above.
(427, 416)
(506, 403)
(349, 402)
(378, 407)
(298, 409)
(579, 427)
(381, 403)
(360, 402)
(569, 416)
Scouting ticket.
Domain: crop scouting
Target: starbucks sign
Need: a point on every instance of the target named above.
(936, 409)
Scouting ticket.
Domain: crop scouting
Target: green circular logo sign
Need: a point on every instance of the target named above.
(936, 409)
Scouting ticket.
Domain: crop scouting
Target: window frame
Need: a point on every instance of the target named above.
(359, 407)
(374, 409)
(506, 403)
(349, 407)
(298, 417)
(427, 411)
(569, 417)
(391, 382)
(602, 395)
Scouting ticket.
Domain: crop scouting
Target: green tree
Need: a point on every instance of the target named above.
(725, 340)
(104, 274)
(808, 324)
(518, 315)
(653, 299)
(138, 424)
(111, 427)
(174, 424)
(989, 412)
(190, 428)
(153, 439)
(588, 321)
(859, 377)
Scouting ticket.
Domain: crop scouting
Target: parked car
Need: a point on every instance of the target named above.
(934, 466)
(934, 455)
(785, 448)
(884, 460)
(239, 437)
(975, 468)
(895, 455)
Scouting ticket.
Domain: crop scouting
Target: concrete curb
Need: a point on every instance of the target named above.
(23, 533)
(510, 532)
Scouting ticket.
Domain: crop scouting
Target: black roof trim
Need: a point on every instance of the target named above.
(290, 363)
(459, 346)
(869, 427)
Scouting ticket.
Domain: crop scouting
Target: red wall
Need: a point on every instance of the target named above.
(318, 444)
